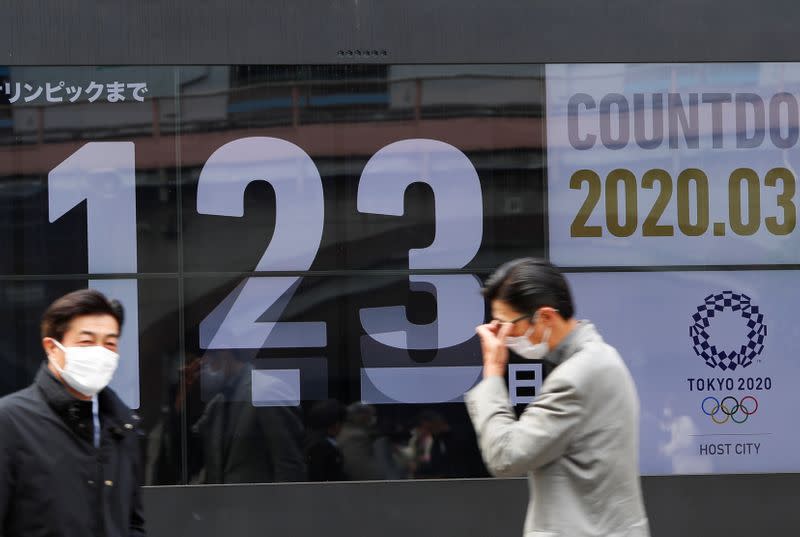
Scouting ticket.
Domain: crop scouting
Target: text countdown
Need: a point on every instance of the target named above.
(673, 165)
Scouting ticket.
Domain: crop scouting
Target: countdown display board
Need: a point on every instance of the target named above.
(671, 192)
(314, 232)
(324, 231)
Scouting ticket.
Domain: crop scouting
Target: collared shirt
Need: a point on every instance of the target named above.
(96, 420)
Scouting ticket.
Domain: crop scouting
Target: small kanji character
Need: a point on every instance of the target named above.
(96, 88)
(51, 91)
(115, 90)
(75, 92)
(138, 88)
(15, 98)
(34, 95)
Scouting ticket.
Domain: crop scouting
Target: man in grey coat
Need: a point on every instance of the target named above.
(578, 440)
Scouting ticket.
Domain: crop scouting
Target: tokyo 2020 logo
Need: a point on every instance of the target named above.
(728, 359)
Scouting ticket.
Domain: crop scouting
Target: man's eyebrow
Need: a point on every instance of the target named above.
(94, 334)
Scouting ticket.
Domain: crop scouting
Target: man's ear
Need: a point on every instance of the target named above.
(548, 314)
(48, 346)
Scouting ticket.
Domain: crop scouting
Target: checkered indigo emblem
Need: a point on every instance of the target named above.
(728, 359)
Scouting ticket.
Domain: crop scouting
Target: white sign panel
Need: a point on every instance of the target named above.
(714, 358)
(672, 165)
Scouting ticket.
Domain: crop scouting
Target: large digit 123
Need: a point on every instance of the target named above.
(103, 174)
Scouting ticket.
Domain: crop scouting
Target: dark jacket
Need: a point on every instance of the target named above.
(243, 443)
(323, 458)
(53, 481)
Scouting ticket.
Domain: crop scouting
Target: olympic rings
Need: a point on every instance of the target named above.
(730, 408)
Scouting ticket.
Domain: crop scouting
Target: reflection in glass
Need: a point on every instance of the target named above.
(305, 368)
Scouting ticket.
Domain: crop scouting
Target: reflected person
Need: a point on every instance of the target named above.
(578, 440)
(323, 457)
(428, 447)
(164, 438)
(241, 442)
(69, 448)
(362, 461)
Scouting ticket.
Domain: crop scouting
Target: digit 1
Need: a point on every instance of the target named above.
(103, 174)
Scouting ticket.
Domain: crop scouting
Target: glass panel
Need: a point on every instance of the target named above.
(403, 346)
(301, 249)
(89, 198)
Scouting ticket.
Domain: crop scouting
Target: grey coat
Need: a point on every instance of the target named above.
(578, 442)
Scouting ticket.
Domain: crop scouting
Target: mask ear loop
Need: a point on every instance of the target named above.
(545, 337)
(532, 327)
(52, 361)
(547, 331)
(529, 331)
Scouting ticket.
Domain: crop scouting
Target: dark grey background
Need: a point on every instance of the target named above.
(730, 506)
(59, 32)
(76, 32)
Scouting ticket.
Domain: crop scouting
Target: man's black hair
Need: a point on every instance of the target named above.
(528, 284)
(57, 317)
(326, 414)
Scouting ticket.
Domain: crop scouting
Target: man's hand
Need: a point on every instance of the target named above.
(493, 346)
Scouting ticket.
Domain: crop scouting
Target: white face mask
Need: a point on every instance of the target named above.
(522, 346)
(87, 370)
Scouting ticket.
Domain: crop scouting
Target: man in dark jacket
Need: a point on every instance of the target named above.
(69, 457)
(323, 458)
(242, 442)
